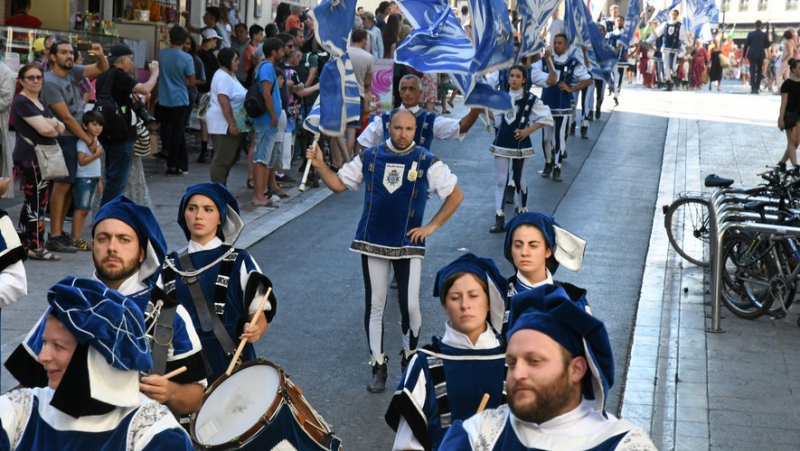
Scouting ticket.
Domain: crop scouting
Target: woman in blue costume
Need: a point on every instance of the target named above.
(94, 349)
(446, 380)
(221, 286)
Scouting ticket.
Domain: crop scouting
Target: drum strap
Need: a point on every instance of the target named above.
(208, 321)
(163, 331)
(436, 368)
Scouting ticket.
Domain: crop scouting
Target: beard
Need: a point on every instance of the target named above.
(550, 400)
(106, 275)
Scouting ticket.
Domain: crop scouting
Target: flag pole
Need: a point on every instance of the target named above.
(308, 167)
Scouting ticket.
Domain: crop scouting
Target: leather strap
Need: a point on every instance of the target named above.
(163, 331)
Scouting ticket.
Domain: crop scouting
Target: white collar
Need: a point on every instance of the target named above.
(582, 420)
(456, 339)
(413, 109)
(547, 280)
(560, 58)
(131, 285)
(197, 247)
(516, 94)
(394, 149)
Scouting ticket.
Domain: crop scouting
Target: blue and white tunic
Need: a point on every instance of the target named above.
(29, 422)
(582, 428)
(429, 126)
(235, 285)
(673, 34)
(13, 281)
(445, 382)
(528, 110)
(569, 70)
(614, 39)
(397, 188)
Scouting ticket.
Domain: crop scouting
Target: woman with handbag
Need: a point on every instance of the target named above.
(34, 126)
(790, 113)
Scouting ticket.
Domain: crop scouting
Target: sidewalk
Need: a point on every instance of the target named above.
(166, 192)
(692, 389)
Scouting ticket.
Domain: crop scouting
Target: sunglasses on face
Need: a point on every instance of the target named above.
(33, 77)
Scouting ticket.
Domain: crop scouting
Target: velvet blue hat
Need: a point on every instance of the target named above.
(566, 248)
(487, 270)
(549, 310)
(227, 206)
(142, 220)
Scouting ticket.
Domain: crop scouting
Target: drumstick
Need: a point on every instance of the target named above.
(484, 401)
(174, 373)
(244, 340)
(308, 167)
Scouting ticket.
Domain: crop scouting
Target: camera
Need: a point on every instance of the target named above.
(84, 46)
(141, 111)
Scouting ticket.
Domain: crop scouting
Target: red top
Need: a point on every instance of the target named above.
(23, 20)
(293, 22)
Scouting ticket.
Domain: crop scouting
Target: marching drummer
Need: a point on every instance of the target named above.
(391, 232)
(221, 286)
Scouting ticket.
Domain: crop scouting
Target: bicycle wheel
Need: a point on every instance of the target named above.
(749, 276)
(688, 229)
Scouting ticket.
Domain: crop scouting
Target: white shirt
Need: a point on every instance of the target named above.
(547, 281)
(444, 128)
(229, 86)
(539, 76)
(540, 114)
(405, 439)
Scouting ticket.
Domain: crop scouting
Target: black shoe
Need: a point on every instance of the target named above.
(405, 359)
(285, 178)
(499, 224)
(782, 166)
(162, 155)
(590, 117)
(548, 168)
(572, 128)
(597, 114)
(203, 158)
(585, 131)
(175, 172)
(564, 154)
(378, 382)
(393, 283)
(616, 101)
(509, 194)
(61, 243)
(557, 174)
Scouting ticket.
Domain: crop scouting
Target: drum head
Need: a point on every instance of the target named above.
(236, 404)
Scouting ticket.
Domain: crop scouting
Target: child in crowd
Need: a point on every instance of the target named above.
(274, 189)
(88, 178)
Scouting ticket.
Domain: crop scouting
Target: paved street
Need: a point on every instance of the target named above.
(691, 390)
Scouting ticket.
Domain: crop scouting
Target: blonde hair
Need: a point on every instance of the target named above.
(405, 30)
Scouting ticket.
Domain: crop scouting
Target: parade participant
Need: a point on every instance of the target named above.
(221, 286)
(435, 389)
(559, 360)
(13, 280)
(429, 125)
(128, 249)
(673, 37)
(399, 176)
(94, 347)
(614, 38)
(560, 77)
(512, 143)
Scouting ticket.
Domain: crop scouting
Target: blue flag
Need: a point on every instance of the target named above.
(533, 16)
(698, 13)
(334, 22)
(492, 35)
(478, 94)
(338, 93)
(632, 20)
(438, 43)
(663, 15)
(582, 31)
(311, 122)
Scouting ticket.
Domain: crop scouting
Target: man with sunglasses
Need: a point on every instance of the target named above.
(63, 97)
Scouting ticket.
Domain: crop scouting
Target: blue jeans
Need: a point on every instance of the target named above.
(119, 156)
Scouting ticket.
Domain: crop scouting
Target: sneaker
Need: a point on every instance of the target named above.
(548, 168)
(81, 245)
(557, 174)
(61, 244)
(285, 178)
(585, 131)
(175, 172)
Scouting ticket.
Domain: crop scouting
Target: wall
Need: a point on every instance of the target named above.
(54, 14)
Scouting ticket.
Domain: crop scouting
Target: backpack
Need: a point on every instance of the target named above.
(254, 100)
(116, 127)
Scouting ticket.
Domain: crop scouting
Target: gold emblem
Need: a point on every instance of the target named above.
(412, 174)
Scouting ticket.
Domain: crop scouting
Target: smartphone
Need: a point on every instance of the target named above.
(83, 46)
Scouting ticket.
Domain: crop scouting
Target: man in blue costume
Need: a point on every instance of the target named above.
(673, 37)
(559, 359)
(94, 348)
(399, 176)
(128, 249)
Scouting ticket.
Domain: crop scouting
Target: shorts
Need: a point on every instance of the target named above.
(83, 193)
(69, 147)
(265, 152)
(356, 124)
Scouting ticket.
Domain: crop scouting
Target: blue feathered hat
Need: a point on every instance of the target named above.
(487, 270)
(144, 223)
(566, 248)
(549, 310)
(227, 205)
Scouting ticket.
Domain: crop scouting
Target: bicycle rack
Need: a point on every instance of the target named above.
(725, 216)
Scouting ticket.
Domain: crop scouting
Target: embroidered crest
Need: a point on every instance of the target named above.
(393, 176)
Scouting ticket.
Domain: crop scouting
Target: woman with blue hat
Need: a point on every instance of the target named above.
(446, 380)
(221, 286)
(95, 347)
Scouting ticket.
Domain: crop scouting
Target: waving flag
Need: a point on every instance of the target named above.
(340, 102)
(663, 15)
(632, 20)
(438, 43)
(311, 122)
(492, 35)
(698, 13)
(582, 31)
(478, 94)
(334, 22)
(595, 9)
(533, 18)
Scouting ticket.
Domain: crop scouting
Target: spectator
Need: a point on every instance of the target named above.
(362, 68)
(787, 53)
(210, 19)
(41, 50)
(271, 31)
(266, 125)
(225, 118)
(376, 38)
(119, 153)
(308, 31)
(7, 88)
(210, 65)
(293, 21)
(88, 178)
(282, 13)
(382, 14)
(390, 35)
(293, 110)
(62, 95)
(22, 18)
(240, 43)
(360, 12)
(790, 113)
(225, 26)
(177, 74)
(755, 49)
(256, 33)
(190, 47)
(33, 122)
(464, 17)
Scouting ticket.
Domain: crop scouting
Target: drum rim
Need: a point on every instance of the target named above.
(263, 420)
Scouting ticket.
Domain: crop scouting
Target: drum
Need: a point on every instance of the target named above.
(258, 407)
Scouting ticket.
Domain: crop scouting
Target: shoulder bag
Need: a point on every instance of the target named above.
(51, 160)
